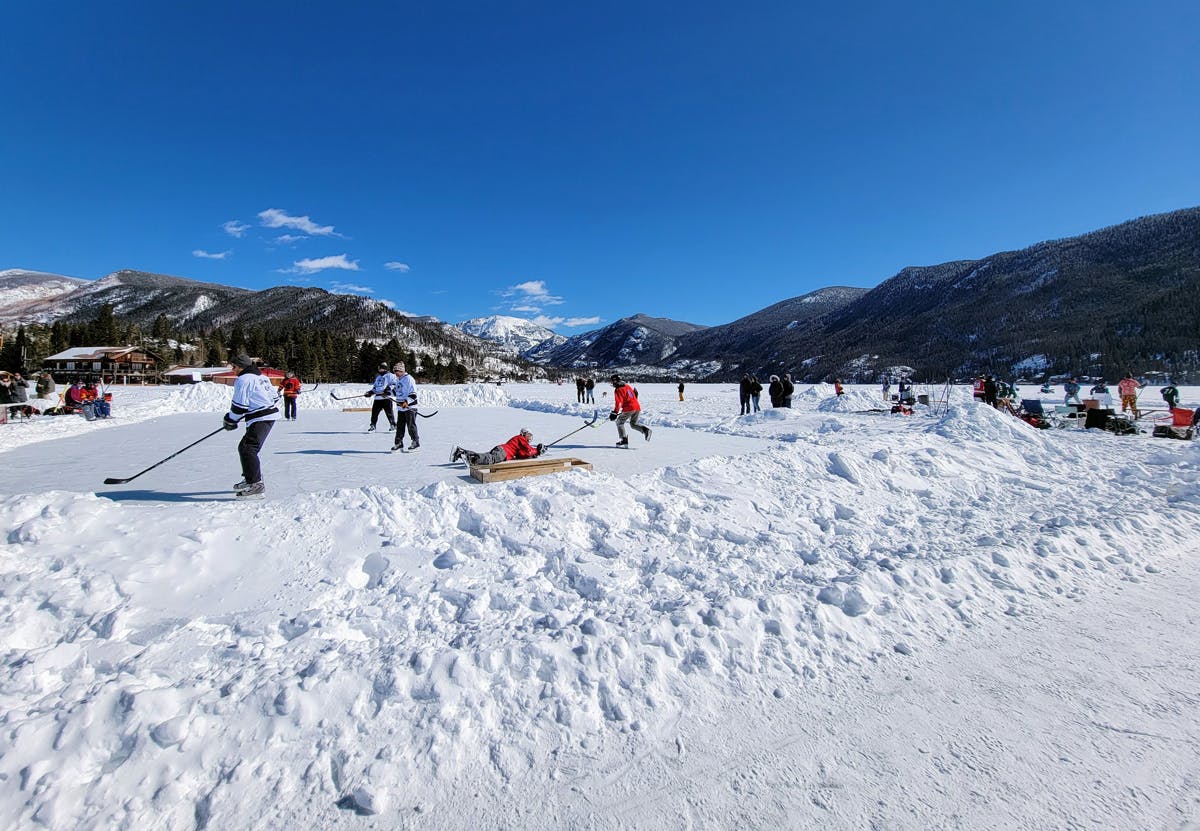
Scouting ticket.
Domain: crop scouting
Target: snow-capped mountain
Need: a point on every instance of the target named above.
(637, 340)
(513, 334)
(20, 290)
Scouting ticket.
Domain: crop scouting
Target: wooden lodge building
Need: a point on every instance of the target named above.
(115, 364)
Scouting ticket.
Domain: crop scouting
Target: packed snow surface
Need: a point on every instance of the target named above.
(384, 637)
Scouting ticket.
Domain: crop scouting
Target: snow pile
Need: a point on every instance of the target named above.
(365, 648)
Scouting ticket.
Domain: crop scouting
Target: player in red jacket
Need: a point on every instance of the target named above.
(626, 410)
(518, 447)
(290, 389)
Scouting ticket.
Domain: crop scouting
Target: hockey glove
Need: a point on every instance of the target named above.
(229, 423)
(541, 448)
(612, 416)
(367, 394)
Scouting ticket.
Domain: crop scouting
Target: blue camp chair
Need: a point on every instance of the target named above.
(1032, 406)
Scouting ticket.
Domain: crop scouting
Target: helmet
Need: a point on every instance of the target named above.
(615, 378)
(526, 433)
(383, 367)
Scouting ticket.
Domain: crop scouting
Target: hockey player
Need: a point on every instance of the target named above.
(290, 389)
(254, 402)
(405, 393)
(381, 390)
(518, 447)
(626, 410)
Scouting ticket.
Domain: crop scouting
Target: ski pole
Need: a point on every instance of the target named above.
(595, 418)
(115, 481)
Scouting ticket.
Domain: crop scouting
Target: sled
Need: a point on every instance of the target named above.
(526, 467)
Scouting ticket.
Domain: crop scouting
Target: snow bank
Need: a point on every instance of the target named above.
(237, 666)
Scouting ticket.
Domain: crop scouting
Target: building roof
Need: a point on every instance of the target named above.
(92, 353)
(192, 370)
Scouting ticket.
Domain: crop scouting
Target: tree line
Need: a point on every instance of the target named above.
(313, 354)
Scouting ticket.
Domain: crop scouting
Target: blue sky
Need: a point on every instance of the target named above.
(577, 163)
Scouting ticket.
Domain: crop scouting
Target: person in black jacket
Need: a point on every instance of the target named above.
(744, 394)
(755, 393)
(788, 389)
(990, 389)
(775, 391)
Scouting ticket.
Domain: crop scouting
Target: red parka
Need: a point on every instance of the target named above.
(625, 399)
(290, 387)
(518, 447)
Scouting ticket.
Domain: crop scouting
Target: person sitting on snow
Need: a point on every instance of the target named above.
(518, 447)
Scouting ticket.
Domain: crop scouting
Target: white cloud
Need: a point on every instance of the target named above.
(551, 322)
(394, 266)
(288, 239)
(530, 297)
(235, 228)
(207, 256)
(351, 287)
(312, 266)
(276, 218)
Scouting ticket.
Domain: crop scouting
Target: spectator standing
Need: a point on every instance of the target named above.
(775, 391)
(788, 389)
(8, 395)
(837, 387)
(1071, 390)
(580, 387)
(1128, 389)
(887, 389)
(755, 393)
(904, 388)
(290, 390)
(681, 390)
(744, 394)
(979, 390)
(406, 400)
(1100, 393)
(45, 386)
(990, 390)
(626, 410)
(589, 388)
(381, 391)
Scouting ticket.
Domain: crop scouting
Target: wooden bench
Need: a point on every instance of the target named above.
(526, 467)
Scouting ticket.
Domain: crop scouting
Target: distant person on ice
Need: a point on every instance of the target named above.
(681, 390)
(887, 389)
(626, 410)
(290, 389)
(744, 394)
(1100, 393)
(1071, 390)
(775, 391)
(1170, 394)
(1128, 389)
(381, 390)
(755, 393)
(518, 447)
(788, 389)
(589, 387)
(837, 387)
(253, 404)
(406, 400)
(580, 386)
(990, 389)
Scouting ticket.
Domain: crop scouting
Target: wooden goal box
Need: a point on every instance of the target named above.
(526, 467)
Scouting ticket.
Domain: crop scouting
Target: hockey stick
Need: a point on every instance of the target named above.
(592, 423)
(112, 480)
(337, 397)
